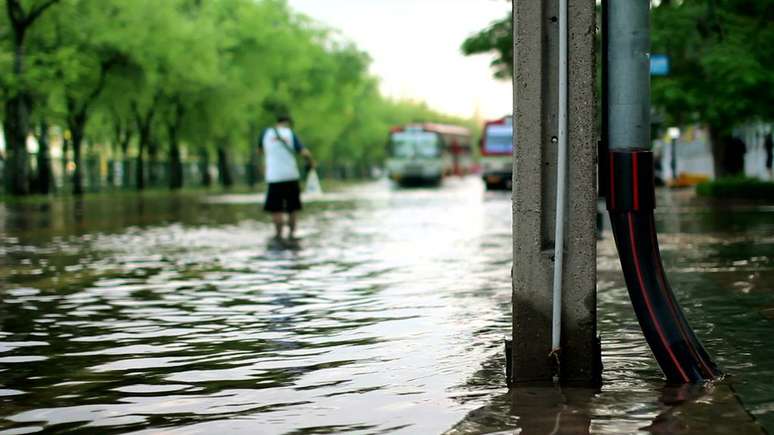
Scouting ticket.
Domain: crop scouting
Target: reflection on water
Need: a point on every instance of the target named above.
(173, 314)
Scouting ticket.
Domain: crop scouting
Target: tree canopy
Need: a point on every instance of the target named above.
(722, 58)
(186, 78)
(497, 38)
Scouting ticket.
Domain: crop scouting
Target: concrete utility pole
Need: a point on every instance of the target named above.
(536, 109)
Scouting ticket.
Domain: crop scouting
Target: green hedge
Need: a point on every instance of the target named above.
(737, 188)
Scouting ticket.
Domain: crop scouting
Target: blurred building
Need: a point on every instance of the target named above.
(754, 136)
(694, 152)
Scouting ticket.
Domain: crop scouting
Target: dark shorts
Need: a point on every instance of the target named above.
(283, 197)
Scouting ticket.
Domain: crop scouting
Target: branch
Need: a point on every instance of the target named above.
(154, 104)
(15, 12)
(136, 113)
(178, 110)
(72, 110)
(104, 68)
(36, 12)
(127, 136)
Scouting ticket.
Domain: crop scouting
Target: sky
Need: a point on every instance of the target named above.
(415, 47)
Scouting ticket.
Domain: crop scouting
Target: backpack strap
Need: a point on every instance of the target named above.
(284, 142)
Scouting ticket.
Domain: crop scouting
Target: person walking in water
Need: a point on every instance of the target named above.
(280, 145)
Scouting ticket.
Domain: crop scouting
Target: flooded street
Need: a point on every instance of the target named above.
(174, 314)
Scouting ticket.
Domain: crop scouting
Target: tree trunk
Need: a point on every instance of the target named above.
(76, 122)
(144, 129)
(124, 139)
(718, 146)
(125, 177)
(65, 160)
(153, 160)
(140, 171)
(17, 109)
(77, 133)
(16, 128)
(19, 105)
(175, 165)
(44, 180)
(204, 167)
(252, 166)
(224, 169)
(111, 173)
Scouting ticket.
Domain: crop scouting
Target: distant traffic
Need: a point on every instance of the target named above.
(496, 148)
(422, 154)
(425, 153)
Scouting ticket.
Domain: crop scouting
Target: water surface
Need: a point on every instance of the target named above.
(173, 314)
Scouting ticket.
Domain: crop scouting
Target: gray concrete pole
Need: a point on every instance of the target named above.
(536, 36)
(628, 65)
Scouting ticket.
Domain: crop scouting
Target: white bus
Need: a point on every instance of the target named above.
(425, 153)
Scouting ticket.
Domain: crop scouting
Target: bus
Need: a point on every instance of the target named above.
(496, 148)
(425, 153)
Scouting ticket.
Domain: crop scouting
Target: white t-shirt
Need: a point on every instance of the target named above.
(280, 159)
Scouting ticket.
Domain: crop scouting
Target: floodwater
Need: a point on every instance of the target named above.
(173, 314)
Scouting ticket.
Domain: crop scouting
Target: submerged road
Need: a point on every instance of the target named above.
(173, 314)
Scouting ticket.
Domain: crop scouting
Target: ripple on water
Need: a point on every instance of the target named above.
(198, 327)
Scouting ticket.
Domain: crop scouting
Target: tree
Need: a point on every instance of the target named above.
(498, 38)
(192, 71)
(44, 179)
(722, 55)
(187, 79)
(18, 92)
(149, 41)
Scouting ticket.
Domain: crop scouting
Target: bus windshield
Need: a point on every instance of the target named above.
(409, 144)
(498, 139)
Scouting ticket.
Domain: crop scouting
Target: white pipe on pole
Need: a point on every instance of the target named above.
(561, 181)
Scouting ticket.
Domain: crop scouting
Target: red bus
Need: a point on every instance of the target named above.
(496, 148)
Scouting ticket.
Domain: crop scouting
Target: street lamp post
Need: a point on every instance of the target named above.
(674, 133)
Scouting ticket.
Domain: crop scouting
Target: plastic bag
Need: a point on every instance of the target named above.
(312, 183)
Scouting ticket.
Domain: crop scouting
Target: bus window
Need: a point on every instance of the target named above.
(498, 140)
(415, 144)
(425, 153)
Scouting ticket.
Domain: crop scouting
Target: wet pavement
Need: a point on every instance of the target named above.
(174, 314)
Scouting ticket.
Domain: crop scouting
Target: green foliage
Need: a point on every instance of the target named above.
(204, 74)
(722, 55)
(737, 188)
(498, 38)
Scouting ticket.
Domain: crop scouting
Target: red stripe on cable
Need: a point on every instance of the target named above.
(636, 177)
(647, 299)
(672, 305)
